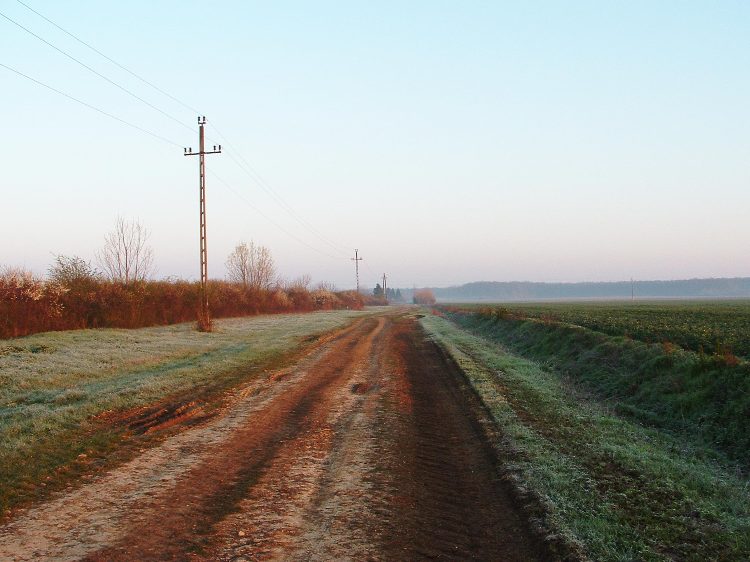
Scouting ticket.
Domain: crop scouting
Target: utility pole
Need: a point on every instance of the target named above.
(632, 289)
(385, 292)
(204, 321)
(356, 259)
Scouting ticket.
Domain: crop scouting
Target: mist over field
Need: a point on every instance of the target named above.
(525, 290)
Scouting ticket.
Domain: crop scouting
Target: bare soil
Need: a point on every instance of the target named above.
(368, 448)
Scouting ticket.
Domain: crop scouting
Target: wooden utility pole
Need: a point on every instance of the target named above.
(385, 292)
(356, 259)
(204, 320)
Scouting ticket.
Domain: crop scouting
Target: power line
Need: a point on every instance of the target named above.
(164, 139)
(367, 265)
(244, 165)
(86, 104)
(280, 201)
(98, 52)
(204, 321)
(97, 73)
(273, 222)
(356, 259)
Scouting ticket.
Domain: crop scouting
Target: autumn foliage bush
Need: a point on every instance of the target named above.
(424, 296)
(29, 304)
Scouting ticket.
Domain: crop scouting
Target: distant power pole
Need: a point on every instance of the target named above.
(356, 260)
(204, 321)
(385, 293)
(632, 289)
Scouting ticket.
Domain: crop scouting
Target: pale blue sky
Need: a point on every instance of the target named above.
(448, 141)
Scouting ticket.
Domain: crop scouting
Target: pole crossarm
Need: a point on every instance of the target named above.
(206, 152)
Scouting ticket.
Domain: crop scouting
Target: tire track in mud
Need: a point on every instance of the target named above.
(365, 449)
(459, 507)
(219, 483)
(311, 470)
(98, 513)
(399, 471)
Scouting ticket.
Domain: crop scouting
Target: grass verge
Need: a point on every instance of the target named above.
(619, 490)
(702, 396)
(59, 391)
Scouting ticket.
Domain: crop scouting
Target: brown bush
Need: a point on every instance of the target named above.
(374, 300)
(424, 296)
(29, 304)
(350, 300)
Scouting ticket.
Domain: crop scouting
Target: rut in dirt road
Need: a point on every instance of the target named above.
(365, 449)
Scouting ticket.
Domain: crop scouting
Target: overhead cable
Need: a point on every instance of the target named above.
(98, 52)
(242, 163)
(246, 167)
(273, 222)
(86, 104)
(96, 72)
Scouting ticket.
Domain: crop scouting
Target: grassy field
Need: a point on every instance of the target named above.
(54, 386)
(594, 430)
(711, 326)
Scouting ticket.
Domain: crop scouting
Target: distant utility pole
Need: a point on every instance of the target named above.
(385, 293)
(356, 260)
(204, 321)
(632, 289)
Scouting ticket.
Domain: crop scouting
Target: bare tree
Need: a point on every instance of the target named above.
(327, 286)
(238, 265)
(125, 257)
(299, 283)
(251, 265)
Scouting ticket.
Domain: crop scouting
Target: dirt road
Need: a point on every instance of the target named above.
(366, 449)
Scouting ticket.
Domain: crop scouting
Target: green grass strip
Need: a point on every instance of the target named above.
(701, 396)
(621, 490)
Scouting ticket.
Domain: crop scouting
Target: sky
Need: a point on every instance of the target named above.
(448, 141)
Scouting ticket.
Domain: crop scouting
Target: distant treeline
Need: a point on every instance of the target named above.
(487, 291)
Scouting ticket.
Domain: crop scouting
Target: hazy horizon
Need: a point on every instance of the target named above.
(447, 142)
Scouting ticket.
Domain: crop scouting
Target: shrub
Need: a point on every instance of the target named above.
(424, 296)
(75, 297)
(27, 304)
